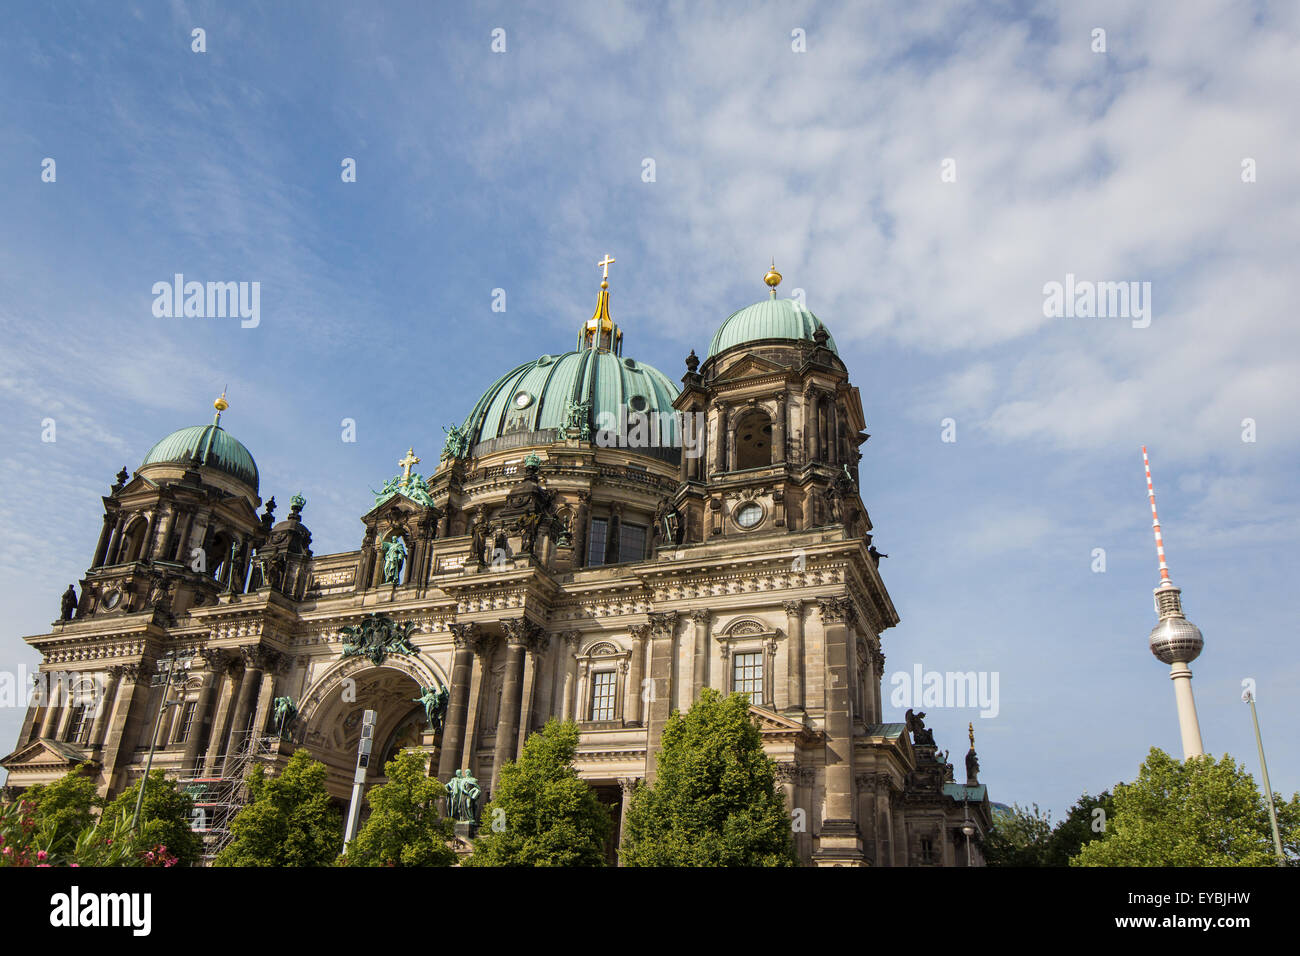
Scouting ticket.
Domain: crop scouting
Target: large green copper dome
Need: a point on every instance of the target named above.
(531, 404)
(216, 448)
(770, 319)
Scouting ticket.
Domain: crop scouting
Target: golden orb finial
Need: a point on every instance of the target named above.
(220, 405)
(773, 278)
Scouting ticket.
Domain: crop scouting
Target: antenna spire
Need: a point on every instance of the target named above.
(1155, 521)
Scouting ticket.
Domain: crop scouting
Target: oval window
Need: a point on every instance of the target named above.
(523, 400)
(748, 515)
(638, 403)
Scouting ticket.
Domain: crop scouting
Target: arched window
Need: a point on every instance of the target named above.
(753, 441)
(132, 548)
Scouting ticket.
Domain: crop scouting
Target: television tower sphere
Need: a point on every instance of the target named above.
(1176, 639)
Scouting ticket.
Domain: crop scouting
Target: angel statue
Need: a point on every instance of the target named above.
(394, 559)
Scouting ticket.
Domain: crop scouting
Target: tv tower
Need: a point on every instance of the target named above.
(1175, 640)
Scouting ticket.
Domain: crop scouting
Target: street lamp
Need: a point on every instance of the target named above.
(170, 658)
(1248, 696)
(967, 827)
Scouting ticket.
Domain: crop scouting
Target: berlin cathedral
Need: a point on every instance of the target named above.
(595, 544)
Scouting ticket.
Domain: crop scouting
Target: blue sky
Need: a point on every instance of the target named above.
(518, 170)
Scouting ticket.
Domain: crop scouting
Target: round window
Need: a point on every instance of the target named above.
(523, 400)
(112, 599)
(637, 403)
(748, 515)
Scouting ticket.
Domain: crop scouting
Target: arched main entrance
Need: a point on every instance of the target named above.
(334, 706)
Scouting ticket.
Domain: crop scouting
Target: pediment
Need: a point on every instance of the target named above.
(45, 754)
(398, 504)
(749, 367)
(770, 723)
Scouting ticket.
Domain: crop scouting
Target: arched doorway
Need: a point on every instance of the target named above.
(333, 711)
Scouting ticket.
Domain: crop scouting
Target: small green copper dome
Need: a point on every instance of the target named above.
(769, 319)
(216, 448)
(530, 404)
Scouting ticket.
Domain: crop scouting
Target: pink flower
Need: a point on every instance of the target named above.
(41, 855)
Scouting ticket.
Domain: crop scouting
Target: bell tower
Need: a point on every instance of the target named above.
(771, 428)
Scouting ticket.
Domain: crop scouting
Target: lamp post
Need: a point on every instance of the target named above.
(359, 778)
(170, 658)
(967, 827)
(1249, 697)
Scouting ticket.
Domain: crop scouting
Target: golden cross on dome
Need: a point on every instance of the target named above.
(605, 264)
(407, 462)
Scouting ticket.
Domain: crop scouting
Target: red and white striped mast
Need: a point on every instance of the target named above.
(1174, 640)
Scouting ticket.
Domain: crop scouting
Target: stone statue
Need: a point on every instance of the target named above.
(386, 490)
(457, 443)
(921, 736)
(285, 712)
(394, 559)
(972, 767)
(875, 555)
(463, 794)
(68, 605)
(527, 528)
(377, 636)
(435, 701)
(480, 533)
(578, 415)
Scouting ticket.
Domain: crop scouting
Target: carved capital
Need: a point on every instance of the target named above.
(571, 640)
(214, 659)
(627, 784)
(793, 608)
(663, 622)
(835, 610)
(701, 615)
(464, 635)
(523, 632)
(257, 657)
(639, 632)
(787, 772)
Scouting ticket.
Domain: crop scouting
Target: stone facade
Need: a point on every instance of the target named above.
(751, 563)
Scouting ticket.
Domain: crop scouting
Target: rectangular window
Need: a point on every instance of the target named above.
(187, 720)
(83, 718)
(596, 542)
(631, 542)
(747, 676)
(602, 695)
(927, 850)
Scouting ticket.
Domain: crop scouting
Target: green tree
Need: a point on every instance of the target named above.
(548, 815)
(405, 827)
(63, 809)
(165, 818)
(714, 802)
(290, 821)
(1199, 812)
(1019, 837)
(1082, 825)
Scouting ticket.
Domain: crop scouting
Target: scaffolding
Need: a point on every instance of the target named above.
(219, 792)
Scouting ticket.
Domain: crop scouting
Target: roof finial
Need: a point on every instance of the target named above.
(773, 278)
(605, 264)
(970, 729)
(220, 405)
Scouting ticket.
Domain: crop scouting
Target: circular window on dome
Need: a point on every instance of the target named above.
(638, 403)
(523, 399)
(748, 514)
(545, 360)
(629, 363)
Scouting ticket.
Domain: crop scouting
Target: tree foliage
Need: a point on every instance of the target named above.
(547, 814)
(405, 827)
(291, 820)
(63, 809)
(165, 817)
(1019, 837)
(714, 802)
(1199, 812)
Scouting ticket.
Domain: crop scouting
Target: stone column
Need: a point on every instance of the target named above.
(253, 664)
(483, 649)
(720, 430)
(841, 844)
(115, 545)
(517, 637)
(612, 542)
(66, 712)
(208, 684)
(108, 697)
(700, 668)
(580, 529)
(128, 722)
(465, 636)
(272, 661)
(628, 786)
(778, 429)
(101, 548)
(570, 682)
(794, 647)
(823, 437)
(580, 712)
(810, 432)
(633, 708)
(769, 675)
(54, 701)
(535, 649)
(663, 651)
(164, 536)
(150, 529)
(221, 718)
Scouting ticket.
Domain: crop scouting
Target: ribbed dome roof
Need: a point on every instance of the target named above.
(768, 319)
(216, 448)
(534, 398)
